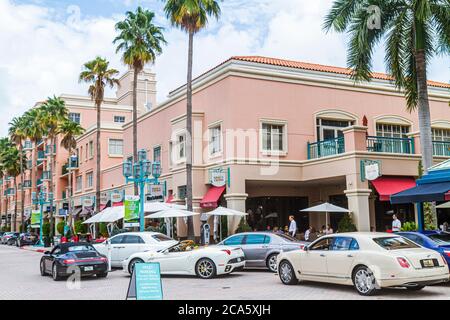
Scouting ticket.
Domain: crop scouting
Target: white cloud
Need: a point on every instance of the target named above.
(45, 48)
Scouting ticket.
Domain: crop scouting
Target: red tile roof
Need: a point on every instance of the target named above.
(318, 67)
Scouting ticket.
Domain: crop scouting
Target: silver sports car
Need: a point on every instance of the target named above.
(262, 248)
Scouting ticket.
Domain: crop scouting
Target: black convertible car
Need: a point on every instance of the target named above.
(68, 258)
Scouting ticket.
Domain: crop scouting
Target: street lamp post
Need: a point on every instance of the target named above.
(139, 172)
(40, 200)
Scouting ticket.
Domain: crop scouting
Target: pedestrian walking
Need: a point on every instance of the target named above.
(292, 226)
(396, 224)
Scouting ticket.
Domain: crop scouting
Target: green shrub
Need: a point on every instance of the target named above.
(60, 227)
(46, 229)
(409, 226)
(103, 229)
(242, 227)
(346, 224)
(80, 227)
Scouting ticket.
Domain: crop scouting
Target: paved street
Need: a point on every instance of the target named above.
(20, 279)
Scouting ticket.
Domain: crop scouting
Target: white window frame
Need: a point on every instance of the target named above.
(91, 149)
(274, 122)
(90, 178)
(160, 152)
(70, 113)
(80, 187)
(442, 136)
(124, 119)
(212, 127)
(175, 147)
(109, 148)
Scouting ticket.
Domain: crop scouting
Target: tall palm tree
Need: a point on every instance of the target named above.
(414, 30)
(69, 131)
(140, 41)
(4, 142)
(17, 133)
(53, 113)
(191, 16)
(98, 74)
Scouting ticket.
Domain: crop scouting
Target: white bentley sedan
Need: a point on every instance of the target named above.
(368, 261)
(205, 263)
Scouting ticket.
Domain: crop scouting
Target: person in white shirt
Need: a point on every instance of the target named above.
(292, 226)
(396, 224)
(308, 233)
(329, 230)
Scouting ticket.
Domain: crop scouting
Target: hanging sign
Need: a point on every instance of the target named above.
(131, 218)
(88, 202)
(218, 177)
(116, 196)
(35, 219)
(370, 170)
(155, 193)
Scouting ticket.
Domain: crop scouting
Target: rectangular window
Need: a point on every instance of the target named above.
(79, 183)
(215, 140)
(87, 151)
(75, 117)
(441, 135)
(328, 129)
(115, 146)
(119, 119)
(392, 130)
(81, 155)
(182, 192)
(181, 146)
(273, 137)
(91, 149)
(90, 180)
(157, 154)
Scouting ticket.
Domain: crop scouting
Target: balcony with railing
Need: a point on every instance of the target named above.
(50, 150)
(326, 148)
(27, 184)
(390, 145)
(46, 175)
(441, 148)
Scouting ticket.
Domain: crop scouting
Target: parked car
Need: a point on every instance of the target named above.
(68, 258)
(434, 240)
(205, 263)
(5, 237)
(125, 244)
(262, 248)
(27, 239)
(368, 261)
(11, 239)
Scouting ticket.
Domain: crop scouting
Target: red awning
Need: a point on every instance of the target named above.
(212, 197)
(117, 204)
(447, 196)
(387, 186)
(102, 207)
(169, 198)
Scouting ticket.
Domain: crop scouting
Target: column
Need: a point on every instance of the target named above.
(358, 193)
(235, 201)
(373, 222)
(355, 138)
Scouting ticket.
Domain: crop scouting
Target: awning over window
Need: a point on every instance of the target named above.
(170, 198)
(387, 186)
(423, 193)
(447, 196)
(211, 198)
(117, 204)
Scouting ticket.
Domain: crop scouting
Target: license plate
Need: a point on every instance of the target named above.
(88, 268)
(429, 263)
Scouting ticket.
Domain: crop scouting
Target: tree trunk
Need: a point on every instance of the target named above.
(69, 207)
(135, 150)
(426, 143)
(22, 193)
(189, 195)
(50, 187)
(98, 173)
(14, 223)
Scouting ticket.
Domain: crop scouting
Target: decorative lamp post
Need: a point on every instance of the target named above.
(140, 173)
(41, 200)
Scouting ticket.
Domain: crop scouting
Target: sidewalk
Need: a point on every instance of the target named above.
(36, 249)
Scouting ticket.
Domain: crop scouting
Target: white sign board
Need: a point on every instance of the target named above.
(218, 178)
(372, 171)
(88, 202)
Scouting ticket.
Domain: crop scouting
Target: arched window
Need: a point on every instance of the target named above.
(330, 123)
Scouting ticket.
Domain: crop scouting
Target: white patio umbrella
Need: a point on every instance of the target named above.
(96, 218)
(112, 214)
(327, 208)
(444, 206)
(221, 211)
(150, 207)
(172, 213)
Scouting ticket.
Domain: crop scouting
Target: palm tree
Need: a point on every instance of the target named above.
(4, 142)
(141, 41)
(69, 131)
(414, 30)
(191, 16)
(53, 113)
(17, 133)
(98, 74)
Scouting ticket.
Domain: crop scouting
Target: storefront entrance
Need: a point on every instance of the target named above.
(270, 212)
(384, 211)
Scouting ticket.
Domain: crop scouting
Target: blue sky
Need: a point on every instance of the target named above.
(48, 41)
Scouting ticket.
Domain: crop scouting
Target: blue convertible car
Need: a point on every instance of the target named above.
(434, 240)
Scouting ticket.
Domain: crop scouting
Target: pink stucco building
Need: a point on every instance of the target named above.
(282, 135)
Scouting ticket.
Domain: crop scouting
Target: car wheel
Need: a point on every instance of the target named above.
(416, 288)
(205, 268)
(102, 275)
(55, 274)
(133, 263)
(287, 274)
(271, 262)
(42, 268)
(364, 281)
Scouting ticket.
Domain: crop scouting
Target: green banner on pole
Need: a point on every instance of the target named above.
(131, 218)
(35, 219)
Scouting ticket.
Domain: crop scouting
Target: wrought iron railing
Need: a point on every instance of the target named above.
(326, 148)
(390, 145)
(441, 148)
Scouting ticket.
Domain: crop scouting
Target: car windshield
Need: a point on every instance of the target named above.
(161, 237)
(395, 243)
(287, 237)
(80, 248)
(441, 239)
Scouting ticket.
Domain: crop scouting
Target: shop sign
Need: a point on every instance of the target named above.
(370, 170)
(88, 202)
(116, 196)
(131, 218)
(155, 193)
(35, 219)
(218, 177)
